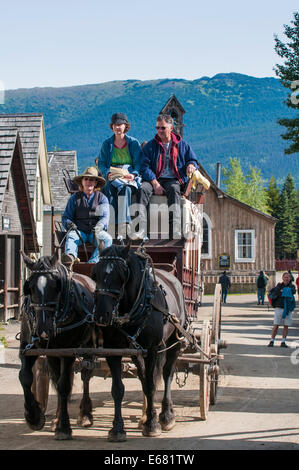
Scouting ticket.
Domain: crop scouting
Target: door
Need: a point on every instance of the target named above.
(10, 275)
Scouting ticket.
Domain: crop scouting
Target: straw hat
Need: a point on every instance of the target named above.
(91, 172)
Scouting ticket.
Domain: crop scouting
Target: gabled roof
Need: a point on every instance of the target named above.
(11, 160)
(172, 101)
(222, 195)
(32, 133)
(59, 161)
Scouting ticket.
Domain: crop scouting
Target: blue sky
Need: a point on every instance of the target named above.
(71, 42)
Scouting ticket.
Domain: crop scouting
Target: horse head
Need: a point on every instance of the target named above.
(111, 274)
(43, 289)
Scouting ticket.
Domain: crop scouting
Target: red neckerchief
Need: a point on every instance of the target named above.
(173, 156)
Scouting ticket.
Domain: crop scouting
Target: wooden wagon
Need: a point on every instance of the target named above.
(182, 258)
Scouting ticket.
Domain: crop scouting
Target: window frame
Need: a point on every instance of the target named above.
(207, 255)
(245, 260)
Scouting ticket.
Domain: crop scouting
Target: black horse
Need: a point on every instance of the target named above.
(133, 309)
(56, 314)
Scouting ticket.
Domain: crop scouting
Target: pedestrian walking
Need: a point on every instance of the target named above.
(283, 301)
(261, 283)
(225, 284)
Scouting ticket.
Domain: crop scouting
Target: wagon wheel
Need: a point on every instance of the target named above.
(203, 371)
(215, 339)
(40, 385)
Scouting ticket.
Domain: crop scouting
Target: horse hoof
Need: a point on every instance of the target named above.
(152, 431)
(85, 421)
(168, 426)
(63, 436)
(39, 425)
(117, 436)
(141, 422)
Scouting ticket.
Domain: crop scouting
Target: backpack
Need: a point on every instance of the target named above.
(273, 296)
(261, 282)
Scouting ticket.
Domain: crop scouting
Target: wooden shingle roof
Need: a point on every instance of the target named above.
(31, 130)
(57, 162)
(8, 138)
(11, 161)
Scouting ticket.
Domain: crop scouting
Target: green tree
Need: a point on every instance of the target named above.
(273, 197)
(234, 179)
(246, 188)
(289, 76)
(286, 234)
(255, 194)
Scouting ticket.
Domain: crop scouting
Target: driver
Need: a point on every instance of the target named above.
(86, 216)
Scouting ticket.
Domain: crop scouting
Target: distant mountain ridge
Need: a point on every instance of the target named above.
(226, 115)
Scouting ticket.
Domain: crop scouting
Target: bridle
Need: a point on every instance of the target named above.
(138, 312)
(60, 306)
(117, 294)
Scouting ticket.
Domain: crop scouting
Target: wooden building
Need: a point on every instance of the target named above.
(238, 239)
(17, 225)
(59, 163)
(32, 134)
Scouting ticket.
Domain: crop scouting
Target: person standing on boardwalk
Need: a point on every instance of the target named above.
(261, 283)
(284, 304)
(225, 284)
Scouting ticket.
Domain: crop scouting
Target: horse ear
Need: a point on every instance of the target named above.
(26, 289)
(93, 274)
(29, 262)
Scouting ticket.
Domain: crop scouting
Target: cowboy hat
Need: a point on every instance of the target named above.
(91, 172)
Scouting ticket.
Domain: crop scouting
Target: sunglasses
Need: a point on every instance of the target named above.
(161, 127)
(89, 179)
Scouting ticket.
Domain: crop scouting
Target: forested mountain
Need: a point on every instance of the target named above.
(228, 115)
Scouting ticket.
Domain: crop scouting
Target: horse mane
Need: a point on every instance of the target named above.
(120, 251)
(45, 263)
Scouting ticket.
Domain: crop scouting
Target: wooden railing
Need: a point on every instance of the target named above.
(286, 264)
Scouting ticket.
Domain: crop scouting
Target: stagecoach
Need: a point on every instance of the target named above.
(181, 257)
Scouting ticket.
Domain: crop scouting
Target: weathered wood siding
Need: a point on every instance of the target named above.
(10, 209)
(228, 215)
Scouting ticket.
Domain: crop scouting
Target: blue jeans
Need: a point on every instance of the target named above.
(261, 294)
(119, 195)
(224, 294)
(73, 241)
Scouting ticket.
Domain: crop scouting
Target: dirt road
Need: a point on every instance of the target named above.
(257, 405)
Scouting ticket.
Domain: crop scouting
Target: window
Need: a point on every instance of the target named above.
(244, 246)
(206, 248)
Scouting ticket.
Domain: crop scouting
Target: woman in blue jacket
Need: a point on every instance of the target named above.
(119, 163)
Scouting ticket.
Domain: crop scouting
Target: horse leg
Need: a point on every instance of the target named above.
(143, 418)
(117, 433)
(151, 427)
(54, 370)
(64, 386)
(166, 417)
(34, 415)
(85, 418)
(139, 363)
